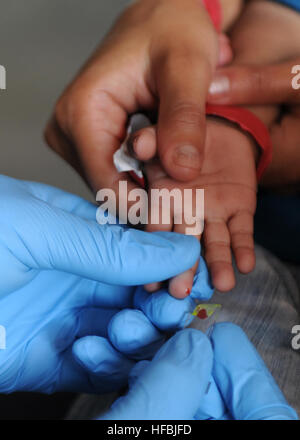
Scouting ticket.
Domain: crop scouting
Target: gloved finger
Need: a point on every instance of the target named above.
(164, 311)
(168, 313)
(111, 296)
(212, 405)
(94, 321)
(71, 244)
(102, 368)
(170, 386)
(248, 389)
(203, 288)
(64, 200)
(132, 334)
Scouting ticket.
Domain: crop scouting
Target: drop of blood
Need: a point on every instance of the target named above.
(202, 314)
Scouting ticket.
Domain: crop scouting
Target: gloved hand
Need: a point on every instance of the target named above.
(60, 277)
(138, 333)
(194, 373)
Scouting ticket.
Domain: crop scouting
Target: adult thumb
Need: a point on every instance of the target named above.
(172, 385)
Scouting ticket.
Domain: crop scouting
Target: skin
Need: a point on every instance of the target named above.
(139, 66)
(250, 83)
(229, 182)
(272, 84)
(253, 42)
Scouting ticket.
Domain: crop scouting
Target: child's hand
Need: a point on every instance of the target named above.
(228, 177)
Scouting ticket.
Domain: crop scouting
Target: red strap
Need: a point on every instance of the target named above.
(215, 11)
(250, 123)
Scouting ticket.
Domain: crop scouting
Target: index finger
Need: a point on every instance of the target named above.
(247, 85)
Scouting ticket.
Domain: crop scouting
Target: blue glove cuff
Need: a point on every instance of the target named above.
(273, 412)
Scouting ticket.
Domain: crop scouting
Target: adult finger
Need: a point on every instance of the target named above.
(246, 85)
(247, 387)
(163, 310)
(101, 368)
(181, 123)
(169, 387)
(109, 254)
(133, 334)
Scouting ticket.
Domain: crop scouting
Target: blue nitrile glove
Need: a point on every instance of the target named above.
(177, 383)
(168, 313)
(54, 259)
(137, 334)
(246, 385)
(171, 386)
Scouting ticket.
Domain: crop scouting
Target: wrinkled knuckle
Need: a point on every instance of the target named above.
(188, 113)
(260, 81)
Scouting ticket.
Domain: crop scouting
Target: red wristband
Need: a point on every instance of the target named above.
(215, 11)
(250, 123)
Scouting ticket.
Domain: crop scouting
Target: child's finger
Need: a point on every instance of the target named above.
(218, 254)
(242, 242)
(160, 215)
(142, 144)
(181, 285)
(153, 287)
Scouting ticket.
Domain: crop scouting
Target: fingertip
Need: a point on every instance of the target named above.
(132, 334)
(152, 287)
(245, 260)
(87, 352)
(144, 144)
(222, 276)
(181, 286)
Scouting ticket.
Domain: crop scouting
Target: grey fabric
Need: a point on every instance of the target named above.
(266, 304)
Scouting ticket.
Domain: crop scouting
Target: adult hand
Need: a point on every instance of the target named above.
(176, 384)
(60, 272)
(274, 84)
(141, 65)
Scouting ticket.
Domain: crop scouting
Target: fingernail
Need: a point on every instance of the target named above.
(219, 86)
(187, 156)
